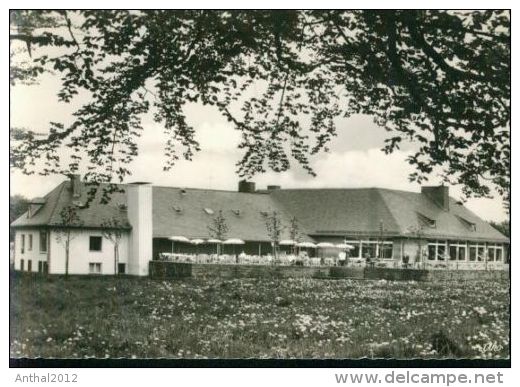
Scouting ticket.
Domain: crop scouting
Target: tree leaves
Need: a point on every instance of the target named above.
(440, 79)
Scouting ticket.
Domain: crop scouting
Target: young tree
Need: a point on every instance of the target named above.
(218, 228)
(417, 233)
(113, 231)
(294, 232)
(440, 79)
(504, 227)
(274, 227)
(69, 219)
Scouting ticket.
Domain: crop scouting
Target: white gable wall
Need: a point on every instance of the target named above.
(80, 255)
(28, 254)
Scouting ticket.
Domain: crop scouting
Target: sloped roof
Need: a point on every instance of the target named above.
(90, 217)
(451, 224)
(192, 220)
(361, 212)
(320, 212)
(338, 211)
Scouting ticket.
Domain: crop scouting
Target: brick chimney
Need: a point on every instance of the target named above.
(440, 195)
(75, 183)
(246, 186)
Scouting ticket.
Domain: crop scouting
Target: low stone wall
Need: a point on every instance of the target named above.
(258, 271)
(396, 274)
(467, 275)
(161, 269)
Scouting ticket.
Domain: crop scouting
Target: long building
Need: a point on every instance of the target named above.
(393, 226)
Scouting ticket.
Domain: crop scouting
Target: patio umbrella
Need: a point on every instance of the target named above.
(323, 245)
(233, 241)
(306, 244)
(344, 246)
(178, 238)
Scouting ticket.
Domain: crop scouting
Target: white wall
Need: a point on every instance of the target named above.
(34, 255)
(80, 256)
(139, 200)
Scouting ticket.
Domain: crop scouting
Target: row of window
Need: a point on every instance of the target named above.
(371, 249)
(95, 242)
(42, 242)
(42, 266)
(93, 267)
(96, 268)
(460, 251)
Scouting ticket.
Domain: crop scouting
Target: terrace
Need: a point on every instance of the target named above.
(329, 261)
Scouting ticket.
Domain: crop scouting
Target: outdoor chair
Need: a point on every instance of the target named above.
(329, 261)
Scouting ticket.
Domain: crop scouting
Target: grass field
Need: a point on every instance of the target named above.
(243, 318)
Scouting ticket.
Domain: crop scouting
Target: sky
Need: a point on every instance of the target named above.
(355, 158)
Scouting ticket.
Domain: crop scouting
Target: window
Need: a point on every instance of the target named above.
(480, 253)
(472, 253)
(29, 265)
(476, 253)
(427, 221)
(121, 268)
(43, 241)
(21, 265)
(355, 252)
(29, 247)
(22, 245)
(498, 255)
(94, 268)
(453, 252)
(95, 243)
(368, 249)
(462, 253)
(437, 251)
(386, 250)
(441, 252)
(457, 251)
(431, 252)
(469, 224)
(494, 253)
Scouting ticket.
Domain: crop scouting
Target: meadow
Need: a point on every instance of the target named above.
(107, 317)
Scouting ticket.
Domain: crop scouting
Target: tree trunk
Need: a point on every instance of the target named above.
(67, 259)
(116, 258)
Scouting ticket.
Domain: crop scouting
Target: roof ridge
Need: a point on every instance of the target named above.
(207, 189)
